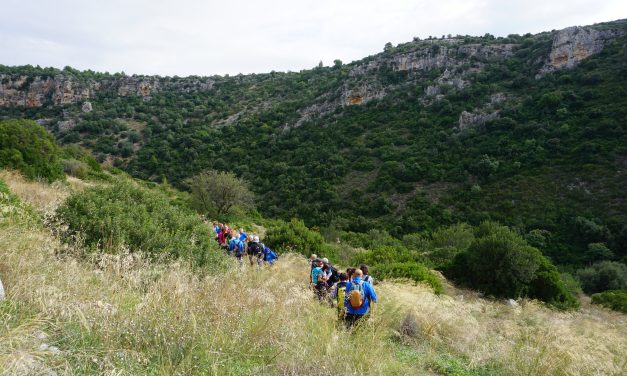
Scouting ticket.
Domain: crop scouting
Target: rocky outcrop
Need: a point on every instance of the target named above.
(60, 89)
(574, 44)
(434, 56)
(87, 107)
(473, 119)
(446, 79)
(361, 94)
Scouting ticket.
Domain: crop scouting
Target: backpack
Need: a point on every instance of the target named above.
(356, 295)
(239, 248)
(335, 276)
(341, 295)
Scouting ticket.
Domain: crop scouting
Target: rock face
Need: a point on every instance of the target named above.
(436, 56)
(361, 95)
(473, 119)
(574, 44)
(59, 90)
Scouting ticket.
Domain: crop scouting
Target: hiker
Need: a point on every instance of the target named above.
(317, 279)
(350, 272)
(232, 244)
(330, 273)
(260, 255)
(242, 235)
(240, 248)
(359, 296)
(216, 229)
(269, 256)
(367, 277)
(338, 294)
(221, 235)
(226, 237)
(312, 260)
(253, 250)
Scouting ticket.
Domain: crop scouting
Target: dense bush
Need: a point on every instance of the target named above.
(26, 146)
(446, 243)
(80, 163)
(613, 299)
(75, 168)
(126, 215)
(294, 236)
(604, 275)
(499, 262)
(411, 270)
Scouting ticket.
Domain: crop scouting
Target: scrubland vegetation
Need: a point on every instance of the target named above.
(73, 311)
(487, 241)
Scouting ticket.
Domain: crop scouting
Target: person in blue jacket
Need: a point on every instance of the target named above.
(242, 235)
(269, 256)
(232, 244)
(367, 297)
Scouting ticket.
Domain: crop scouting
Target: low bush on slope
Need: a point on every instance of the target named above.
(126, 215)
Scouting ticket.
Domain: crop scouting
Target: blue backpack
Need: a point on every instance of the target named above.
(239, 248)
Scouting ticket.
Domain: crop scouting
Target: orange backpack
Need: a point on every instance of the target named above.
(356, 295)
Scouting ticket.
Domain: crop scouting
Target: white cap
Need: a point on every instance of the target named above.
(325, 260)
(256, 238)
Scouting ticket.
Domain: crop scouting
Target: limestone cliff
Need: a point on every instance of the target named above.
(574, 44)
(60, 89)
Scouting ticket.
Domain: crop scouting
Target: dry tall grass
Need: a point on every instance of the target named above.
(119, 315)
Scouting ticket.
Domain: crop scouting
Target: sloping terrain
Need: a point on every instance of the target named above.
(119, 314)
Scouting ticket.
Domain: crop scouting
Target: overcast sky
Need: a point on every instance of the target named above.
(186, 37)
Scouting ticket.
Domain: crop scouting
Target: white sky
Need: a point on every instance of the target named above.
(186, 37)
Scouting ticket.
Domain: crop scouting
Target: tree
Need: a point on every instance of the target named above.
(217, 193)
(499, 262)
(337, 63)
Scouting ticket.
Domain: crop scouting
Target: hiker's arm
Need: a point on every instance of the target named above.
(373, 294)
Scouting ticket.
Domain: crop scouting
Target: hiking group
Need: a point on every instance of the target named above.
(239, 244)
(351, 292)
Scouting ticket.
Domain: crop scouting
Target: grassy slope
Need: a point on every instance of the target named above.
(120, 315)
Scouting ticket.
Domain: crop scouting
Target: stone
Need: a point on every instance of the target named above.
(87, 107)
(432, 91)
(473, 119)
(512, 303)
(48, 348)
(2, 295)
(66, 125)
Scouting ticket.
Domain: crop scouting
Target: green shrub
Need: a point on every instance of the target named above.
(26, 146)
(385, 255)
(125, 215)
(80, 163)
(411, 270)
(602, 276)
(459, 236)
(500, 263)
(75, 168)
(613, 299)
(294, 236)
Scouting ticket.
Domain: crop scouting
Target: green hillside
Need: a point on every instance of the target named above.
(425, 134)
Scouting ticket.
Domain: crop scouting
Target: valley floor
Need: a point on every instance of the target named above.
(120, 315)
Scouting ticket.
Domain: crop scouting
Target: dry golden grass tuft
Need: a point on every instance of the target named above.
(121, 315)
